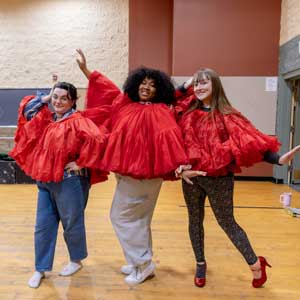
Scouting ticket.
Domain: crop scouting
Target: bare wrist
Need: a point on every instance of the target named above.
(46, 99)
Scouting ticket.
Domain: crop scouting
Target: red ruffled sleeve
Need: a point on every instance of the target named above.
(183, 104)
(101, 90)
(103, 99)
(247, 143)
(29, 132)
(183, 101)
(99, 115)
(179, 95)
(92, 143)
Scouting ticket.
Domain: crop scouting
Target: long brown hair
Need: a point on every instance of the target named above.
(219, 100)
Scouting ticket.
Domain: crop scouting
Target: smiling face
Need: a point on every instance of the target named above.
(61, 101)
(147, 90)
(203, 90)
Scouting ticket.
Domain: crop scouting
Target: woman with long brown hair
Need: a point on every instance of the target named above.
(219, 140)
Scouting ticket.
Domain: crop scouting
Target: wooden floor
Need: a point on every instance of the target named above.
(272, 232)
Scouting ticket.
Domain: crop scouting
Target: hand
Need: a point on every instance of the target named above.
(188, 83)
(82, 60)
(47, 98)
(186, 175)
(54, 78)
(180, 169)
(82, 64)
(72, 166)
(287, 157)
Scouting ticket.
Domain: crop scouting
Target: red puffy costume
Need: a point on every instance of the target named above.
(145, 140)
(44, 147)
(221, 143)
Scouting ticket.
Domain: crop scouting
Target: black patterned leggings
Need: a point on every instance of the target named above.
(220, 194)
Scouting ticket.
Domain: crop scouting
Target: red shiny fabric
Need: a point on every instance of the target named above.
(101, 91)
(183, 104)
(145, 141)
(219, 144)
(44, 147)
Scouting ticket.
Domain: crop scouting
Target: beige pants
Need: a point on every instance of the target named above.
(131, 214)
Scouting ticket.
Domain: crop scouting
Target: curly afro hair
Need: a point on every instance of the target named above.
(165, 91)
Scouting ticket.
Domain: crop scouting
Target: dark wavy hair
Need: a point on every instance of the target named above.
(165, 91)
(70, 88)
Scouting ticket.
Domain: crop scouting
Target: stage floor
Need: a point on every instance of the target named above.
(272, 232)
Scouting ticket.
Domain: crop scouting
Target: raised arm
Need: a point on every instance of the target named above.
(184, 89)
(184, 97)
(81, 61)
(33, 106)
(101, 90)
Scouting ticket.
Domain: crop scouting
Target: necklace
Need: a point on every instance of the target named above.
(145, 102)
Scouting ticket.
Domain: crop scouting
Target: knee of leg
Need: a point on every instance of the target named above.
(224, 224)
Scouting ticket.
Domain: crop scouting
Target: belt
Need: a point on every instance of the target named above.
(82, 172)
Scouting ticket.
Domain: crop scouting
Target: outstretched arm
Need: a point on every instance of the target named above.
(288, 156)
(275, 158)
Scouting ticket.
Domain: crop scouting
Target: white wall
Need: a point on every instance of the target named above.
(38, 38)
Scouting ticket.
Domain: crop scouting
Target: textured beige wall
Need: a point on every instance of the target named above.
(290, 20)
(38, 38)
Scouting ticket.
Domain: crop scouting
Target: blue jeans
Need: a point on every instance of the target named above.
(64, 201)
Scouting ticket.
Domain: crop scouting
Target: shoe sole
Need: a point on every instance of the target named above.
(136, 283)
(124, 273)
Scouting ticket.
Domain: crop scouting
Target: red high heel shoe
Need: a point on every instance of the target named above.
(200, 281)
(256, 283)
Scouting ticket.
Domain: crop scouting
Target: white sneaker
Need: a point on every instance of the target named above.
(35, 281)
(127, 269)
(140, 274)
(71, 268)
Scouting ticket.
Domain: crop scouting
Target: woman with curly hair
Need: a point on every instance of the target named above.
(219, 140)
(145, 147)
